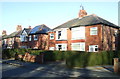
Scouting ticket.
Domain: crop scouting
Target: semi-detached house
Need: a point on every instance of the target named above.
(89, 33)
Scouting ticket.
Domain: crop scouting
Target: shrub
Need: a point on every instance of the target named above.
(72, 58)
(90, 59)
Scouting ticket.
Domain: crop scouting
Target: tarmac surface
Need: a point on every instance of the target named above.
(16, 68)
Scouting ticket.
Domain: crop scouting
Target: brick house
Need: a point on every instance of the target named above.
(3, 41)
(89, 33)
(12, 40)
(38, 37)
(24, 37)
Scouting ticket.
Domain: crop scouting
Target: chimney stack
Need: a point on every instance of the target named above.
(19, 27)
(30, 27)
(82, 12)
(4, 32)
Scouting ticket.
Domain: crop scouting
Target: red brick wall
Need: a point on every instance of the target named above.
(41, 43)
(108, 38)
(93, 39)
(89, 39)
(51, 42)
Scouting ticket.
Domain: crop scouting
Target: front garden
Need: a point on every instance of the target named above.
(72, 58)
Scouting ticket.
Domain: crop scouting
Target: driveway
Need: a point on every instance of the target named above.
(12, 68)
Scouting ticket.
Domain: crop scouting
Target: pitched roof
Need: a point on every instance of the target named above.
(67, 24)
(40, 29)
(27, 30)
(93, 20)
(86, 21)
(14, 34)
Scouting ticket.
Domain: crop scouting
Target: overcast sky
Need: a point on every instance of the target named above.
(51, 14)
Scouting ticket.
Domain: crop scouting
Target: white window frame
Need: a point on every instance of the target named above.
(35, 37)
(63, 34)
(63, 47)
(51, 36)
(30, 38)
(78, 33)
(51, 48)
(94, 29)
(92, 48)
(23, 36)
(80, 48)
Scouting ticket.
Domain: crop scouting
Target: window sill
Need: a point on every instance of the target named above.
(51, 39)
(79, 39)
(61, 40)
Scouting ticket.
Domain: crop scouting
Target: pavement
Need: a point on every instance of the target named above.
(16, 68)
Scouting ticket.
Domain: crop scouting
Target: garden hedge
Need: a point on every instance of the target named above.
(72, 58)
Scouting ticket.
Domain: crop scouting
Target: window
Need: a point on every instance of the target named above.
(52, 36)
(115, 32)
(78, 33)
(35, 37)
(61, 46)
(23, 38)
(51, 48)
(93, 31)
(93, 48)
(61, 34)
(78, 46)
(30, 38)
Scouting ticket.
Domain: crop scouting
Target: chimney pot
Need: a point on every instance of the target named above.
(19, 27)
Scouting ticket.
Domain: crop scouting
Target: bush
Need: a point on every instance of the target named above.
(72, 58)
(90, 59)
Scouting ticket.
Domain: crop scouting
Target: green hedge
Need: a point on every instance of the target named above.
(10, 53)
(91, 59)
(73, 58)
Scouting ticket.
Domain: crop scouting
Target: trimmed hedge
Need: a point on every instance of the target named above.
(73, 58)
(91, 59)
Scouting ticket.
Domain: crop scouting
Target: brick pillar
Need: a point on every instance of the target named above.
(116, 65)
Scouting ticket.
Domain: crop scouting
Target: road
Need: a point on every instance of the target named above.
(54, 69)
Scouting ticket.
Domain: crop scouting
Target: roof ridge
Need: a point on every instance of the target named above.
(64, 23)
